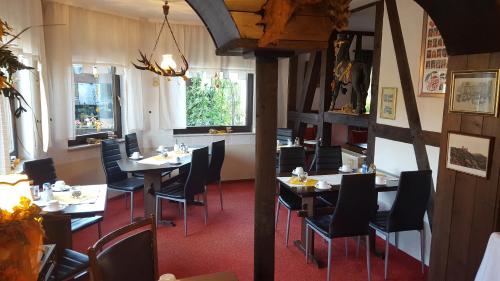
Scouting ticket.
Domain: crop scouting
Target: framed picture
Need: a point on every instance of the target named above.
(470, 154)
(388, 103)
(474, 92)
(433, 61)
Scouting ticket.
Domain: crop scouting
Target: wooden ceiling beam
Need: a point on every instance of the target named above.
(239, 47)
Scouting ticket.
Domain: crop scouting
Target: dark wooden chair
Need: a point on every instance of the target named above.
(355, 208)
(184, 191)
(327, 158)
(289, 159)
(116, 179)
(215, 167)
(131, 146)
(407, 211)
(42, 171)
(131, 256)
(70, 265)
(284, 134)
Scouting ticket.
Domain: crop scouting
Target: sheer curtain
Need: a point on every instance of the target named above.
(30, 48)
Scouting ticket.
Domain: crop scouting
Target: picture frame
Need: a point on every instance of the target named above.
(388, 102)
(433, 61)
(474, 92)
(469, 154)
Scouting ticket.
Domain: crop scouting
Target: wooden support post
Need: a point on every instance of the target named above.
(265, 158)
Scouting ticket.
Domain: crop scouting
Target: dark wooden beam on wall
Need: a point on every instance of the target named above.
(409, 95)
(265, 158)
(304, 117)
(311, 81)
(401, 134)
(346, 119)
(377, 52)
(327, 65)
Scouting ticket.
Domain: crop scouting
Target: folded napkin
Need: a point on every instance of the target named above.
(87, 197)
(296, 181)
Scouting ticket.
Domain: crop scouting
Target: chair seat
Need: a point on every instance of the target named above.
(80, 223)
(174, 190)
(70, 264)
(320, 224)
(291, 202)
(140, 175)
(380, 221)
(128, 184)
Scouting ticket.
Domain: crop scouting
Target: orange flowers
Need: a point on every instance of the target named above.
(20, 242)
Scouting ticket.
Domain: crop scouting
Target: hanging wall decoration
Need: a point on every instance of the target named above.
(433, 61)
(388, 102)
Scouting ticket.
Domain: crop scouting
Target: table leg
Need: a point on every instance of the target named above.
(308, 205)
(152, 183)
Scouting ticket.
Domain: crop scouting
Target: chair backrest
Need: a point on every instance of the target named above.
(290, 158)
(407, 212)
(284, 134)
(195, 183)
(131, 258)
(131, 144)
(110, 153)
(57, 228)
(40, 171)
(356, 206)
(216, 161)
(328, 158)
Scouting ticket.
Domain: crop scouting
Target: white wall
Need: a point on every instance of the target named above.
(392, 156)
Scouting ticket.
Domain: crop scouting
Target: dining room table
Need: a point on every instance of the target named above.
(153, 164)
(308, 192)
(90, 202)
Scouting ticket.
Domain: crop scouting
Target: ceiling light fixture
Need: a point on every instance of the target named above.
(168, 66)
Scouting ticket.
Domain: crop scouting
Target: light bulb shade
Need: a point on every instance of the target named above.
(12, 188)
(168, 62)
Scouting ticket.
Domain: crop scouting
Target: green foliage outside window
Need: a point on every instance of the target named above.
(213, 104)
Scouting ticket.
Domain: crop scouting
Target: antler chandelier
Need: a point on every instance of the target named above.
(167, 67)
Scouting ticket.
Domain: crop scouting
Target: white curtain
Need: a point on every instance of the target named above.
(30, 47)
(172, 100)
(4, 138)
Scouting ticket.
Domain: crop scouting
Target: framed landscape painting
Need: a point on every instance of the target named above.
(469, 154)
(474, 92)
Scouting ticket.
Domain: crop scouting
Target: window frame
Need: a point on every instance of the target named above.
(117, 116)
(13, 124)
(248, 128)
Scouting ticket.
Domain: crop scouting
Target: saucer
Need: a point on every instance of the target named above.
(342, 171)
(64, 188)
(327, 186)
(140, 157)
(382, 183)
(50, 210)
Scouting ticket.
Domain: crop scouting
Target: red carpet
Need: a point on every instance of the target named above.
(226, 243)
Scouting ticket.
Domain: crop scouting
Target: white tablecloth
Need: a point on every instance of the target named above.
(490, 266)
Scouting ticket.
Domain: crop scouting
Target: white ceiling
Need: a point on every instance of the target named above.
(180, 11)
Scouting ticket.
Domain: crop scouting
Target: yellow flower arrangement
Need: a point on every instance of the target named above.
(21, 236)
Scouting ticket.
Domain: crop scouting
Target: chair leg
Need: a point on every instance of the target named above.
(357, 246)
(422, 248)
(131, 207)
(205, 205)
(277, 214)
(288, 227)
(126, 205)
(329, 265)
(99, 232)
(396, 240)
(368, 263)
(307, 244)
(180, 208)
(157, 202)
(185, 219)
(220, 194)
(345, 245)
(386, 264)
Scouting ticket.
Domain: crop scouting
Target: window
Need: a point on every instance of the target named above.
(11, 130)
(96, 96)
(217, 101)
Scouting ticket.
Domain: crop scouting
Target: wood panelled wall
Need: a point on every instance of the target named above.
(466, 207)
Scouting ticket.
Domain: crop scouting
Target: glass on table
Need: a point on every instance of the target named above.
(35, 192)
(302, 177)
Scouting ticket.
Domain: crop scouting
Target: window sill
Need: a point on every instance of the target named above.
(215, 135)
(88, 146)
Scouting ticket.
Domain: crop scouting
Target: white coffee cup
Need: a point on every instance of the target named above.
(322, 184)
(380, 180)
(298, 171)
(167, 277)
(135, 155)
(346, 168)
(53, 205)
(160, 148)
(60, 185)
